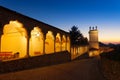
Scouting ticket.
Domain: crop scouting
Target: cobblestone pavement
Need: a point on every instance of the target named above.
(86, 69)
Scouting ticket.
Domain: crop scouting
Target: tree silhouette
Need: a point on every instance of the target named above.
(76, 37)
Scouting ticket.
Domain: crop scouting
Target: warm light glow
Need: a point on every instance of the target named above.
(38, 34)
(110, 40)
(49, 43)
(77, 51)
(109, 36)
(14, 38)
(93, 53)
(36, 42)
(63, 43)
(68, 44)
(58, 43)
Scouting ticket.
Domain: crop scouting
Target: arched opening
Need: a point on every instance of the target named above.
(49, 43)
(58, 43)
(68, 44)
(14, 39)
(63, 43)
(36, 42)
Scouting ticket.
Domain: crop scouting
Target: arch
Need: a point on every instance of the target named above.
(14, 38)
(68, 44)
(63, 43)
(36, 42)
(58, 43)
(49, 43)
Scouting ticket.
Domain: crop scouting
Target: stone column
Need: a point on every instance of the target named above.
(0, 41)
(69, 45)
(65, 43)
(61, 43)
(44, 37)
(1, 33)
(54, 44)
(28, 37)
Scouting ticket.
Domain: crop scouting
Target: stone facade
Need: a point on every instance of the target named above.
(30, 34)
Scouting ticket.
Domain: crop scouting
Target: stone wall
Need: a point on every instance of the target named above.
(78, 51)
(34, 62)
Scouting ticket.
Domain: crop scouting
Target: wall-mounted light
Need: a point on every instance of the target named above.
(38, 34)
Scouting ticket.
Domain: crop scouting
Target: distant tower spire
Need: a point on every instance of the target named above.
(90, 28)
(96, 27)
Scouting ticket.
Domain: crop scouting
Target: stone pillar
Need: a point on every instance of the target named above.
(1, 33)
(44, 37)
(65, 43)
(69, 45)
(61, 43)
(0, 41)
(54, 43)
(28, 38)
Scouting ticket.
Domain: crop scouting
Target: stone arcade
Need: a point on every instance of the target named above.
(25, 36)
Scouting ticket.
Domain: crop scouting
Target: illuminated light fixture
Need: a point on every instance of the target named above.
(38, 34)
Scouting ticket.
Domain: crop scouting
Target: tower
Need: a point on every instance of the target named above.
(93, 41)
(93, 38)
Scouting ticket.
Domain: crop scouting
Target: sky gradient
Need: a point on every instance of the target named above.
(65, 13)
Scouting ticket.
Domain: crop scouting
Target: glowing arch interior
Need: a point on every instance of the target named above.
(36, 42)
(58, 43)
(68, 44)
(49, 43)
(14, 39)
(63, 43)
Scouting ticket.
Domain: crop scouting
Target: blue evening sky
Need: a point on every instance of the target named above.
(65, 13)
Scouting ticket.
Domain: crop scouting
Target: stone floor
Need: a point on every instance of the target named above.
(86, 69)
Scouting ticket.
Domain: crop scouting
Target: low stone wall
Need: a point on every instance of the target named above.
(34, 62)
(78, 51)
